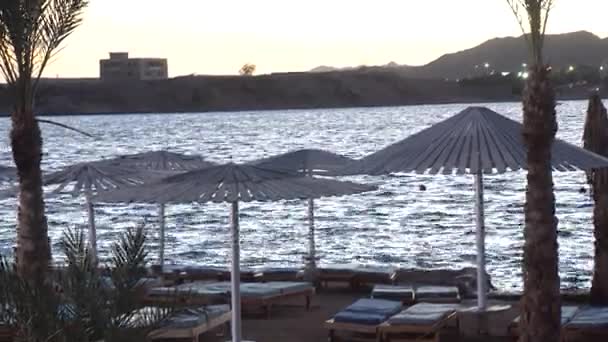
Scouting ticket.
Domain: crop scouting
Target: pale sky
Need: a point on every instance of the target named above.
(219, 36)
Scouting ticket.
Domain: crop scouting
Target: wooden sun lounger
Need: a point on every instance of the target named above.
(367, 329)
(336, 276)
(369, 276)
(267, 302)
(264, 295)
(181, 274)
(402, 293)
(421, 331)
(192, 332)
(277, 274)
(184, 294)
(588, 324)
(568, 312)
(369, 332)
(356, 276)
(436, 294)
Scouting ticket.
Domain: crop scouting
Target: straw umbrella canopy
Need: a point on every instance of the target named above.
(233, 183)
(595, 138)
(475, 141)
(309, 162)
(95, 177)
(163, 161)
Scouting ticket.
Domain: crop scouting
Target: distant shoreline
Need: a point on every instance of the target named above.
(286, 109)
(41, 114)
(203, 94)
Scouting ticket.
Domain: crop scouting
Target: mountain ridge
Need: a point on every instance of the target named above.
(506, 54)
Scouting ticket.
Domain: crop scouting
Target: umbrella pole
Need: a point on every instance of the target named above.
(161, 220)
(480, 233)
(312, 262)
(235, 275)
(92, 228)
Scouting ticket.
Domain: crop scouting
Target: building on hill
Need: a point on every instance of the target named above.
(119, 67)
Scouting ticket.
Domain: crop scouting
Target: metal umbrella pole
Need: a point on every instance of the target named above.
(235, 275)
(480, 234)
(312, 262)
(311, 236)
(161, 218)
(92, 228)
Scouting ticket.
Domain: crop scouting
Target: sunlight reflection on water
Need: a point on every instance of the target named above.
(398, 224)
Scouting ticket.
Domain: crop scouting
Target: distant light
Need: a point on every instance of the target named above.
(487, 65)
(519, 74)
(571, 68)
(602, 68)
(525, 65)
(505, 73)
(525, 75)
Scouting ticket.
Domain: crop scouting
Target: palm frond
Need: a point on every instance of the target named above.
(58, 124)
(83, 296)
(30, 33)
(128, 267)
(533, 17)
(80, 303)
(129, 255)
(130, 320)
(32, 308)
(59, 19)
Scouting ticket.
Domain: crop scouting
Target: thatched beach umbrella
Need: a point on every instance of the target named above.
(309, 162)
(234, 183)
(95, 177)
(163, 161)
(475, 141)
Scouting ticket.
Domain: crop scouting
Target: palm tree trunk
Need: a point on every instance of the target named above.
(541, 302)
(595, 138)
(33, 250)
(599, 284)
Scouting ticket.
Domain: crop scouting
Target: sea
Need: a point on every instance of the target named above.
(397, 225)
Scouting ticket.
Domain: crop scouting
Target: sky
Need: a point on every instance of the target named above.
(219, 36)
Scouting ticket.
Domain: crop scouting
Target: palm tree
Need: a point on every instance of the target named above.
(31, 31)
(595, 139)
(541, 302)
(87, 303)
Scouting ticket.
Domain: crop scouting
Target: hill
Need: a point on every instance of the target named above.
(508, 54)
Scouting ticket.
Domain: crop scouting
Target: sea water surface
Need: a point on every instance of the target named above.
(396, 225)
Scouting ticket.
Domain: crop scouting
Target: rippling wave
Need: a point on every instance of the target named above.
(398, 224)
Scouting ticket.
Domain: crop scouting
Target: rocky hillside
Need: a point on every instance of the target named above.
(508, 54)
